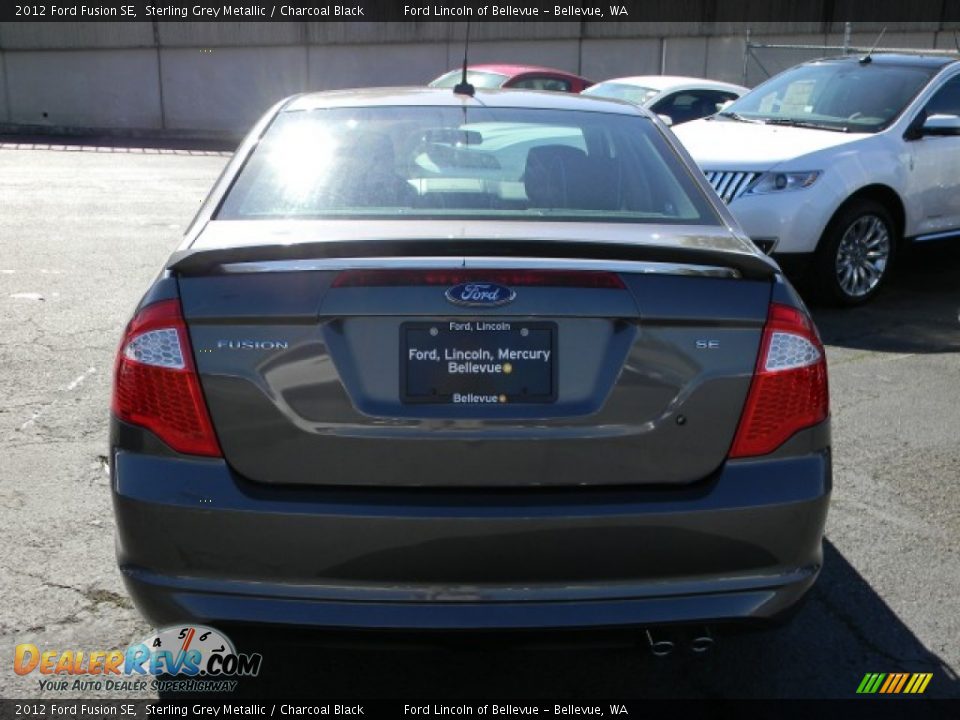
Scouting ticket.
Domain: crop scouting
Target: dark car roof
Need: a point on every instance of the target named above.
(898, 59)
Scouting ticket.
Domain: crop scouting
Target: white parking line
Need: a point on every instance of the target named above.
(72, 385)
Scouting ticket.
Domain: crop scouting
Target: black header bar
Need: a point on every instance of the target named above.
(500, 709)
(945, 14)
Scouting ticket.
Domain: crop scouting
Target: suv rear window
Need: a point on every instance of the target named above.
(493, 163)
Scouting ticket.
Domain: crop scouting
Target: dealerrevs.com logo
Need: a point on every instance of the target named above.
(188, 658)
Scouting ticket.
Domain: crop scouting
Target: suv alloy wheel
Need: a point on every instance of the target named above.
(855, 254)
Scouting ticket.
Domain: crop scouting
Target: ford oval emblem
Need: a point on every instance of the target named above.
(480, 294)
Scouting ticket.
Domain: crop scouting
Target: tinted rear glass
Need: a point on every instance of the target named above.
(621, 91)
(494, 163)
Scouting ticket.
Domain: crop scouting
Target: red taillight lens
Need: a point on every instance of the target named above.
(789, 389)
(598, 279)
(156, 384)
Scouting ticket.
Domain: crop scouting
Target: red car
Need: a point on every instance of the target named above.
(527, 77)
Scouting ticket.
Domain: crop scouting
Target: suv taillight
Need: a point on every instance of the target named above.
(789, 389)
(156, 384)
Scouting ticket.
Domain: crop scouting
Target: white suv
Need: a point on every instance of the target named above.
(832, 163)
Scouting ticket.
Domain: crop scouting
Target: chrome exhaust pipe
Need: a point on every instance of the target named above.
(702, 641)
(659, 646)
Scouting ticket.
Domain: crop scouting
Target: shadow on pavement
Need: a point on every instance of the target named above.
(842, 632)
(919, 312)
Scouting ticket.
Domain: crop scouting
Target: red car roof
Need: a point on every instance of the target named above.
(511, 70)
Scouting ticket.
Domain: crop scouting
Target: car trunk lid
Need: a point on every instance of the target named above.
(307, 367)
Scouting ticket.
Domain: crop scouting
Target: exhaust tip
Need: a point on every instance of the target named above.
(702, 642)
(659, 646)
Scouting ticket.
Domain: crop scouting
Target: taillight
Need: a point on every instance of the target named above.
(156, 384)
(597, 279)
(789, 389)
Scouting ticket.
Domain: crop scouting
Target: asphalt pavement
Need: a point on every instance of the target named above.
(82, 232)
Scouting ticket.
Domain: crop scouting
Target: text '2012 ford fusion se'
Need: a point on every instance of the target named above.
(428, 360)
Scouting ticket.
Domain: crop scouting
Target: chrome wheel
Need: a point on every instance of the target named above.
(863, 255)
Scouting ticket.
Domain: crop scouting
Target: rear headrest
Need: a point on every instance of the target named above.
(368, 148)
(552, 175)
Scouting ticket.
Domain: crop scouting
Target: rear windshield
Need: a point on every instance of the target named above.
(621, 91)
(477, 78)
(480, 163)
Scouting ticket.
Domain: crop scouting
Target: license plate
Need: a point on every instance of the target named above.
(478, 362)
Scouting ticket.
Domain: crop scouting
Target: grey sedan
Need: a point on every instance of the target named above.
(468, 361)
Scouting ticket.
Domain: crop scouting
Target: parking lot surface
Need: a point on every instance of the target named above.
(83, 233)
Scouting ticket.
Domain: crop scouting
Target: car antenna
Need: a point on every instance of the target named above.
(866, 58)
(463, 87)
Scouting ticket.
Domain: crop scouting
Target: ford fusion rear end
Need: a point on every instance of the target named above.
(431, 361)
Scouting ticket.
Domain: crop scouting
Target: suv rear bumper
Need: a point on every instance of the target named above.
(197, 543)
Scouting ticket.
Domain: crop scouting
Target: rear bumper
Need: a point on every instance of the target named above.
(197, 543)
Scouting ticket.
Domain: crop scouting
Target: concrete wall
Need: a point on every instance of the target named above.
(4, 105)
(91, 88)
(227, 88)
(218, 77)
(333, 67)
(616, 57)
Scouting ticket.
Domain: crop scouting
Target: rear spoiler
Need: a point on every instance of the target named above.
(213, 261)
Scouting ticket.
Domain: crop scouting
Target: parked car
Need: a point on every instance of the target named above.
(429, 360)
(832, 164)
(521, 77)
(675, 99)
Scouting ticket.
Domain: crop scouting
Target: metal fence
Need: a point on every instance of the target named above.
(762, 60)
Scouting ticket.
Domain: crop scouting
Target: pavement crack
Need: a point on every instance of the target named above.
(100, 596)
(94, 596)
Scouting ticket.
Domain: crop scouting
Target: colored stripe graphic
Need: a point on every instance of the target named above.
(894, 683)
(891, 680)
(918, 683)
(870, 683)
(903, 681)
